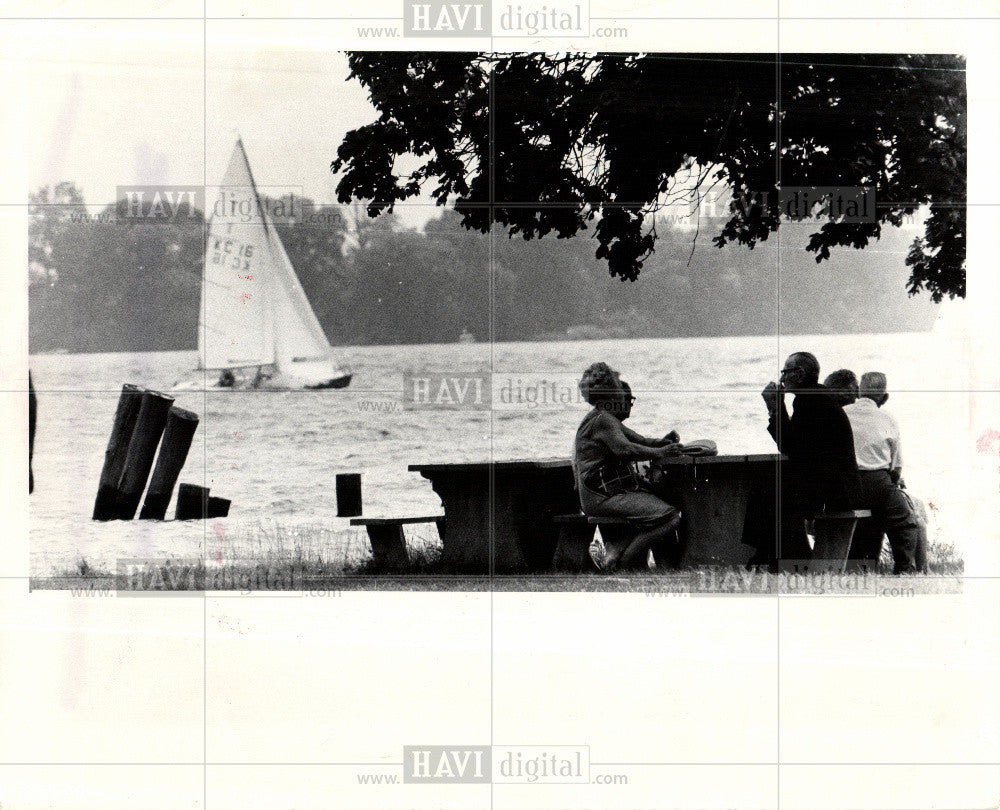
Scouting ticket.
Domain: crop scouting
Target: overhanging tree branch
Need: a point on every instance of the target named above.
(574, 136)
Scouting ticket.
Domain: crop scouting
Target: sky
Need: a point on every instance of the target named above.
(126, 102)
(144, 102)
(129, 103)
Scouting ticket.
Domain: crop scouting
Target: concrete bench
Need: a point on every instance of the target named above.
(833, 532)
(388, 541)
(576, 533)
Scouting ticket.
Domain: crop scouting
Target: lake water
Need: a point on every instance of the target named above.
(275, 454)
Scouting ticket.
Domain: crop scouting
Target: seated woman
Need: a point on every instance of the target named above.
(603, 456)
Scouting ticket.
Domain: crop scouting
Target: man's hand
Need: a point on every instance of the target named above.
(773, 396)
(671, 450)
(671, 438)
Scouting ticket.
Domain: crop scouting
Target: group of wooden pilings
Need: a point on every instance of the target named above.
(145, 420)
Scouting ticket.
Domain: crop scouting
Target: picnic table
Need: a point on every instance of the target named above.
(498, 514)
(715, 494)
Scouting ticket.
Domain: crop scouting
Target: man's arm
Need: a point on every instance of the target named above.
(895, 451)
(780, 426)
(612, 434)
(896, 464)
(638, 438)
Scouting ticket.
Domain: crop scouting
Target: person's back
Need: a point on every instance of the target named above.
(824, 451)
(819, 444)
(821, 471)
(880, 460)
(876, 436)
(590, 453)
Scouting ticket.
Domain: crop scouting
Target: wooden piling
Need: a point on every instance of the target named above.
(348, 494)
(114, 457)
(218, 507)
(32, 416)
(192, 502)
(177, 437)
(149, 426)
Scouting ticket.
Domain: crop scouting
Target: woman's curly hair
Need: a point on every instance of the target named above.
(599, 383)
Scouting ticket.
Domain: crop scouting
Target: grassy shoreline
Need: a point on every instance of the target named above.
(271, 563)
(731, 582)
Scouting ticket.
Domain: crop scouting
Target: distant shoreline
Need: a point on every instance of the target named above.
(542, 338)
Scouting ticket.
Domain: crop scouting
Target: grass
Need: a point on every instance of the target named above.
(317, 558)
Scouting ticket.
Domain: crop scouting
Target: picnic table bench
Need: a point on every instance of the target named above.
(833, 532)
(388, 541)
(575, 534)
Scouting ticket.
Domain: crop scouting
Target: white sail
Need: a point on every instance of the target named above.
(299, 338)
(236, 327)
(256, 326)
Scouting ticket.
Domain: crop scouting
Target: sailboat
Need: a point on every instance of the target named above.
(256, 328)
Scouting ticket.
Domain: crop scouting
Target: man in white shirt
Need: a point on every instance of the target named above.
(880, 464)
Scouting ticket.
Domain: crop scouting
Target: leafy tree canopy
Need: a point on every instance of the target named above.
(550, 143)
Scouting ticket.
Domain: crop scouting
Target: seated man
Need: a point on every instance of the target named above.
(880, 462)
(843, 385)
(821, 472)
(603, 455)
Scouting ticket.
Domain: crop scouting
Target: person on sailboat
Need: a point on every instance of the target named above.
(227, 379)
(260, 378)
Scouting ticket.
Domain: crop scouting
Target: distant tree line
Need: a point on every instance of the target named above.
(100, 283)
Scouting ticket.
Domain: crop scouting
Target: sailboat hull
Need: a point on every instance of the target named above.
(250, 380)
(336, 382)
